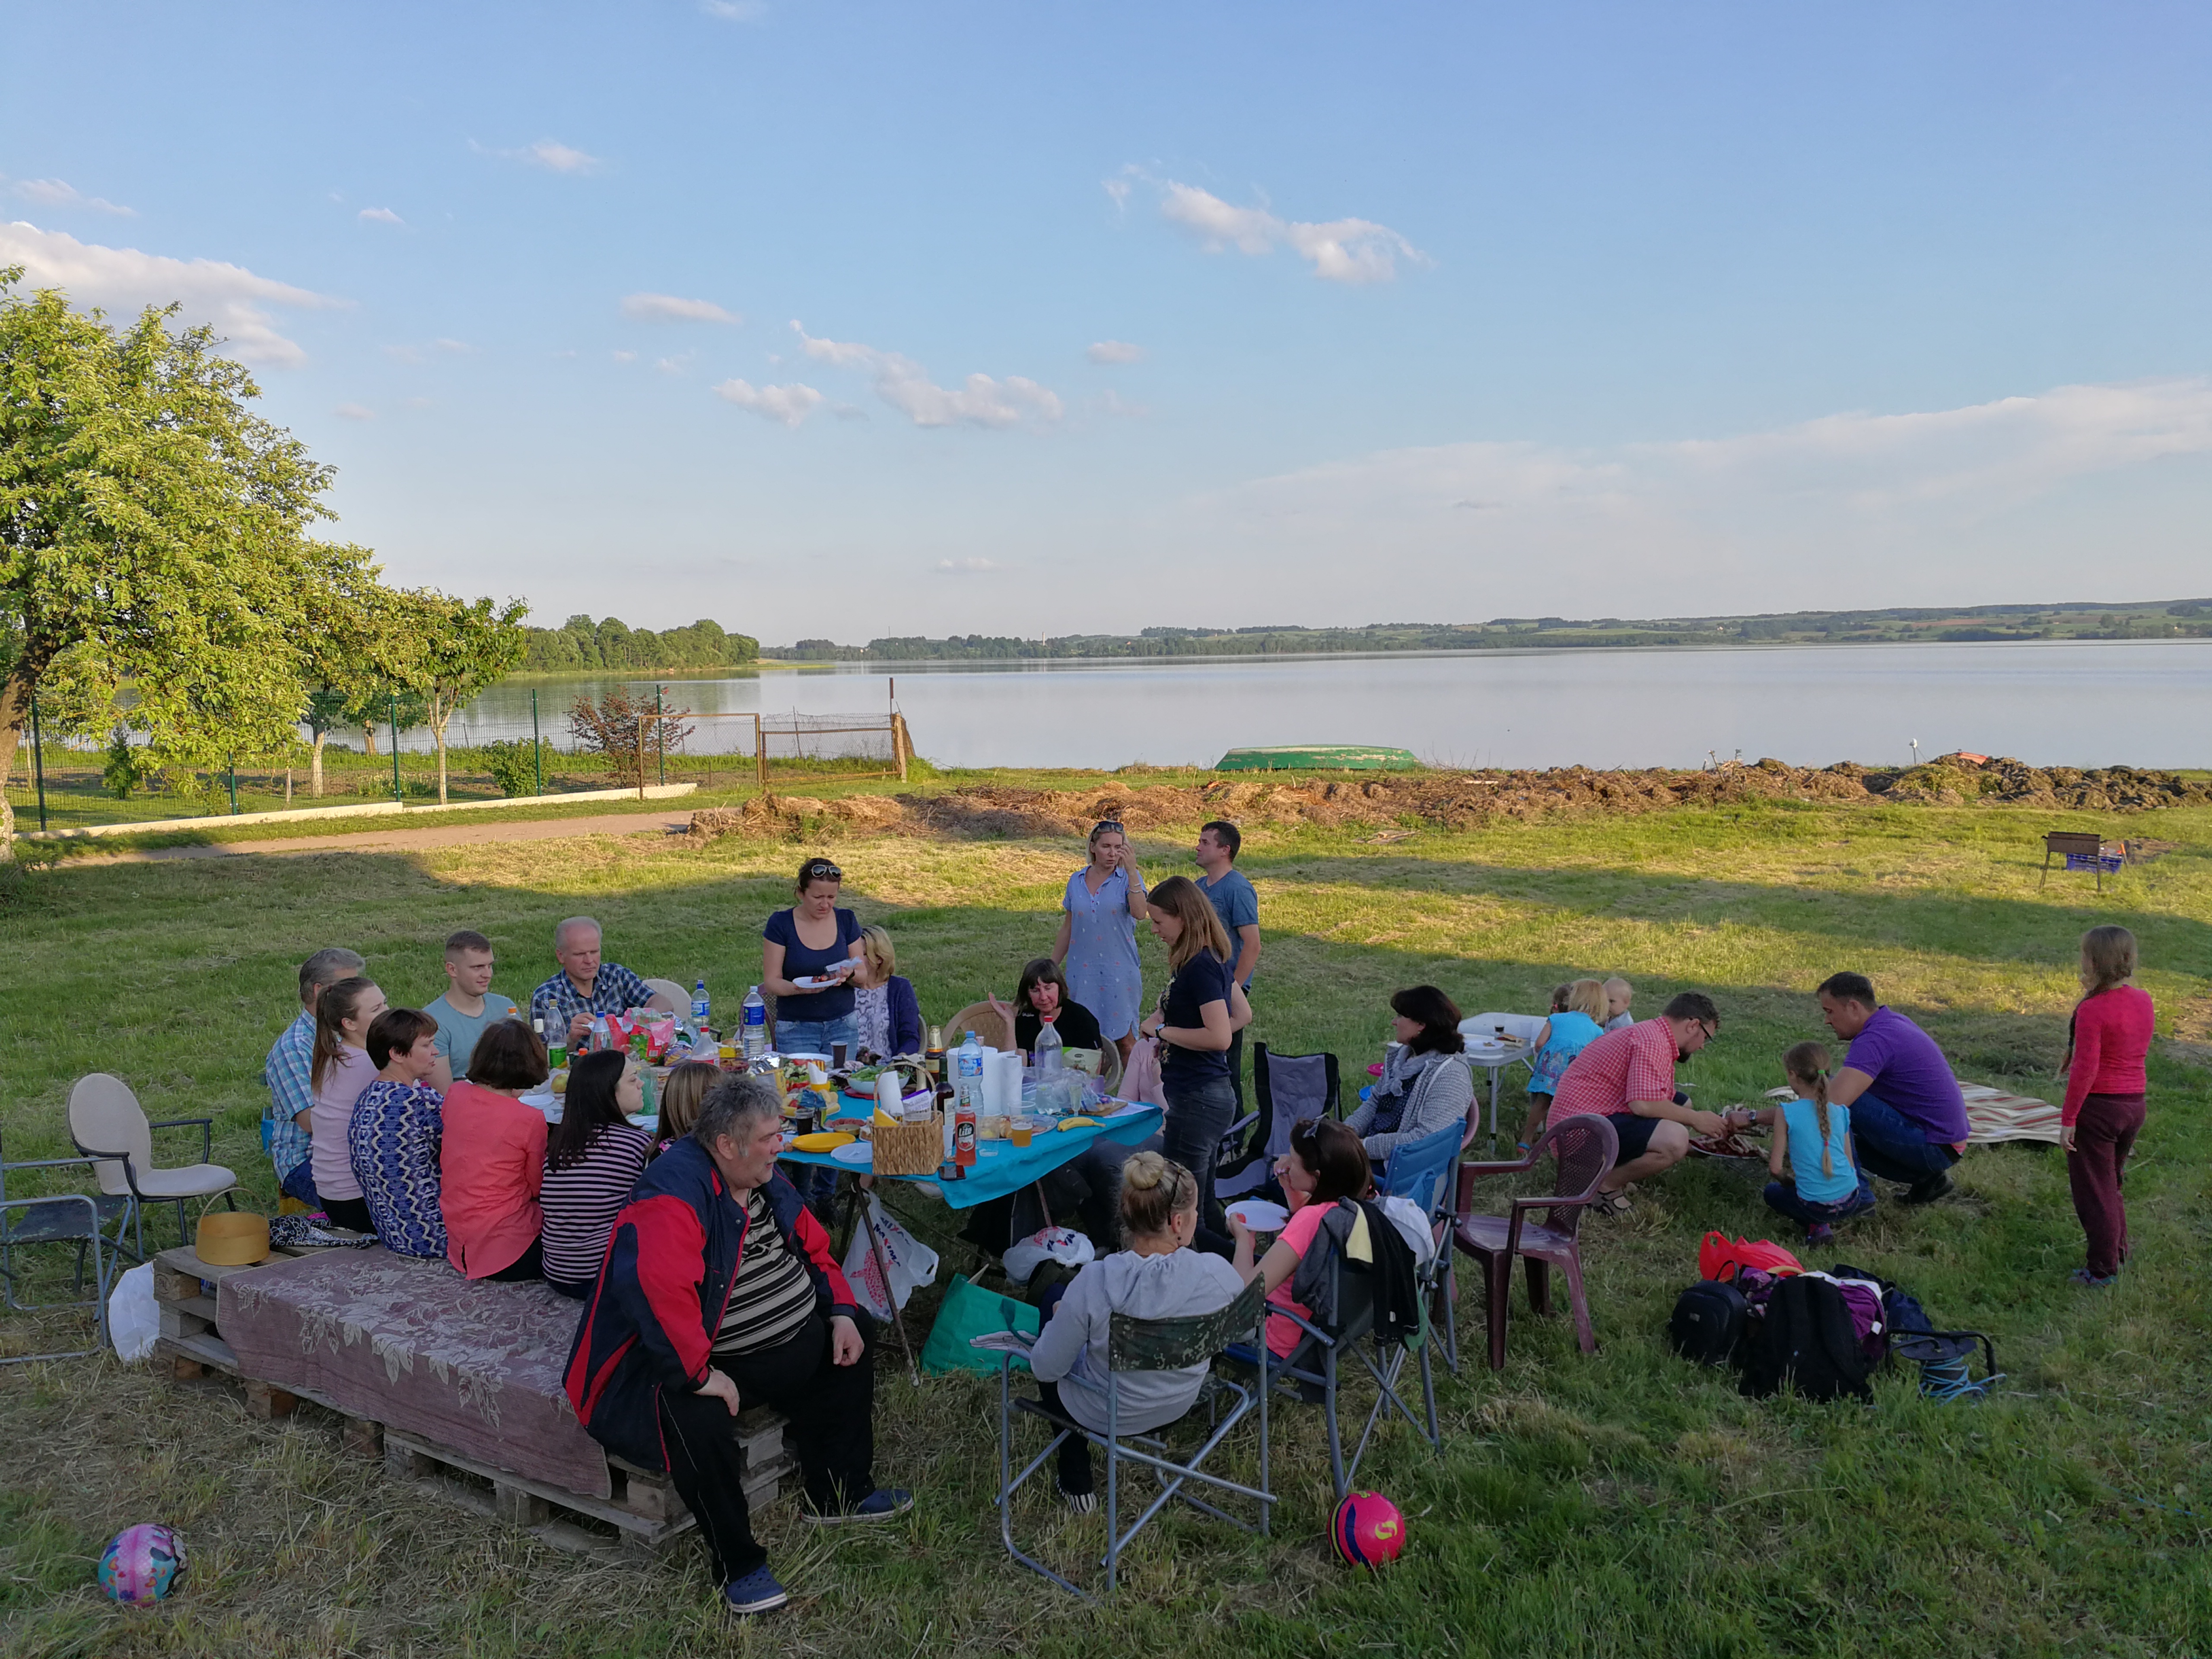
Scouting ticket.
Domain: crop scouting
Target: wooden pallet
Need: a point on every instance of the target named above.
(643, 1505)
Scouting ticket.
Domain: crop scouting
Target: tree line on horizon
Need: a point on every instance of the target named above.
(2158, 619)
(580, 644)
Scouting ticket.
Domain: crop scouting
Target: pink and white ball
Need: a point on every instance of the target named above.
(1367, 1530)
(143, 1563)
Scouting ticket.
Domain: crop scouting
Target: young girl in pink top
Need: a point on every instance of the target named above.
(2109, 1038)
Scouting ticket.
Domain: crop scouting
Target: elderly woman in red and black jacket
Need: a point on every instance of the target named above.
(718, 1290)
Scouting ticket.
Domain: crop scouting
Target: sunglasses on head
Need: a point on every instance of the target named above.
(1105, 824)
(822, 870)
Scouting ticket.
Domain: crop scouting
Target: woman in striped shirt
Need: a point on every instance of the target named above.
(593, 1157)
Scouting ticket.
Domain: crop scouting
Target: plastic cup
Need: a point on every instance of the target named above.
(1022, 1132)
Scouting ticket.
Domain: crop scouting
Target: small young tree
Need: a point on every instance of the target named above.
(351, 640)
(459, 646)
(625, 727)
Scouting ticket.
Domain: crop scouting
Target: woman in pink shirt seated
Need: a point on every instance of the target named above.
(1326, 1162)
(340, 1070)
(494, 1159)
(2107, 1041)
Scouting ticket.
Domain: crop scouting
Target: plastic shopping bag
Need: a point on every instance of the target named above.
(133, 1320)
(912, 1263)
(1141, 1078)
(1061, 1245)
(970, 1311)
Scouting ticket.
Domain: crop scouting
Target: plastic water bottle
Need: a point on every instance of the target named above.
(756, 1026)
(702, 1010)
(601, 1038)
(968, 1096)
(1049, 1049)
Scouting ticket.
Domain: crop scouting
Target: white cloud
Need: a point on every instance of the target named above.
(60, 193)
(625, 356)
(458, 348)
(355, 412)
(668, 308)
(788, 404)
(677, 365)
(551, 154)
(1119, 190)
(1115, 351)
(1877, 503)
(967, 567)
(229, 298)
(1352, 251)
(380, 217)
(735, 11)
(906, 387)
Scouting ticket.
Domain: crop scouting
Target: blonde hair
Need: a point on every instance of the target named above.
(875, 946)
(1807, 1063)
(680, 1095)
(1202, 923)
(2109, 954)
(1154, 1191)
(1586, 997)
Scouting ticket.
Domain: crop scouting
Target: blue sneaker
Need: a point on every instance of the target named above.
(2094, 1281)
(756, 1592)
(880, 1505)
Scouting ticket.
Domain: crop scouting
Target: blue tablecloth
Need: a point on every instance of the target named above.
(1001, 1167)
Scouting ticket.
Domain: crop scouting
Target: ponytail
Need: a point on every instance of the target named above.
(1807, 1063)
(333, 1009)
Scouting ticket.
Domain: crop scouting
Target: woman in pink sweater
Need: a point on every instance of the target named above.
(2109, 1036)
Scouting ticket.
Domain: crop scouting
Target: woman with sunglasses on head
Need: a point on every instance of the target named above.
(1201, 1009)
(1097, 943)
(814, 939)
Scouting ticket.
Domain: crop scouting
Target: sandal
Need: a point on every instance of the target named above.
(1612, 1204)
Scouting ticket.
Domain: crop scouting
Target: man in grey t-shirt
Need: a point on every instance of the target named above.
(469, 1005)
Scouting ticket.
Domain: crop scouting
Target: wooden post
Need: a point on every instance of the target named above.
(760, 751)
(901, 743)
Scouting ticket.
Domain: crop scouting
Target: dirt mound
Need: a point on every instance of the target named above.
(1443, 799)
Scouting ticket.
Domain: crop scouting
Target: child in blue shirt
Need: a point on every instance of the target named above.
(1817, 1182)
(1576, 1021)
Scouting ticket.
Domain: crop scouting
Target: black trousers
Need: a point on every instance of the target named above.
(831, 1409)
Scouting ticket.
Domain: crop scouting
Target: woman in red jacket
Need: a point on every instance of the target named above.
(2107, 1041)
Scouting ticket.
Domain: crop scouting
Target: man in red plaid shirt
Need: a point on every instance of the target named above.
(1627, 1078)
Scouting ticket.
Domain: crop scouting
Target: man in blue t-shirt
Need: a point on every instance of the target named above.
(1238, 907)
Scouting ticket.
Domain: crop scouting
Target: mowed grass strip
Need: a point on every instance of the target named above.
(1619, 1504)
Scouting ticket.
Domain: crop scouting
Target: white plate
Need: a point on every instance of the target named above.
(854, 1153)
(799, 1057)
(1259, 1216)
(1129, 1106)
(817, 982)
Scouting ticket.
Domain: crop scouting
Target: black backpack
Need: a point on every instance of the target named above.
(1807, 1338)
(1708, 1322)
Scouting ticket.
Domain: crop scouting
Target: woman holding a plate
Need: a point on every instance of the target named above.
(808, 956)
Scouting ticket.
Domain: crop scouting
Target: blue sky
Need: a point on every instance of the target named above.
(1283, 312)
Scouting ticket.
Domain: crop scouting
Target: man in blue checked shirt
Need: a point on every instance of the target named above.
(585, 986)
(284, 1125)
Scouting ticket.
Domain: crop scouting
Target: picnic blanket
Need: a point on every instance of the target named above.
(1994, 1115)
(410, 1344)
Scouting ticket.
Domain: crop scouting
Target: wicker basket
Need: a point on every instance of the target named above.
(910, 1149)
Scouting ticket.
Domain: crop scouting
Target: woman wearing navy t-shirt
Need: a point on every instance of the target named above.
(1200, 1012)
(813, 939)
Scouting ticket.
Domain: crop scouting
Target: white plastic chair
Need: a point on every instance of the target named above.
(679, 1000)
(106, 1123)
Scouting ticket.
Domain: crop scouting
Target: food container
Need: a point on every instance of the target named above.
(230, 1238)
(909, 1148)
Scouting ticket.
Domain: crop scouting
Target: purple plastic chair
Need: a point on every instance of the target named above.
(1585, 1147)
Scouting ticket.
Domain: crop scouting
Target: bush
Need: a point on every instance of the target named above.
(122, 773)
(514, 765)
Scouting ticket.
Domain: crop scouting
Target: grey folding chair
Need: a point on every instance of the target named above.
(1289, 1087)
(78, 1219)
(1143, 1345)
(1317, 1365)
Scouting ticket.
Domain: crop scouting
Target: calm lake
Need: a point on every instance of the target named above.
(2069, 702)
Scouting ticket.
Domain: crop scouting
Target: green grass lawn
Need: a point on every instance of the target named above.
(1618, 1504)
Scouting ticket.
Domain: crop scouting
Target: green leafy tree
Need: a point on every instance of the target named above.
(153, 537)
(458, 648)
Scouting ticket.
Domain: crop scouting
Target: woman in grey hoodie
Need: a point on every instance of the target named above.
(1159, 1276)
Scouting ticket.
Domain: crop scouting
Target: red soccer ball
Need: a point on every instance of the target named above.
(1367, 1530)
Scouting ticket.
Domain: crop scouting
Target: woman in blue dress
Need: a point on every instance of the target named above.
(1097, 944)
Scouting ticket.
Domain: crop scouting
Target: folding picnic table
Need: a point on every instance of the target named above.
(1000, 1168)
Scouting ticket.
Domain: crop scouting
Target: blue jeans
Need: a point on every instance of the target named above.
(300, 1184)
(1891, 1145)
(817, 1037)
(1198, 1115)
(1783, 1195)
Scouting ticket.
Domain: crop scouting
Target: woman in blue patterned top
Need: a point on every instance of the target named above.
(397, 1132)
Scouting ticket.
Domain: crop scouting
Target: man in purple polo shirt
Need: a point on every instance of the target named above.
(1908, 1118)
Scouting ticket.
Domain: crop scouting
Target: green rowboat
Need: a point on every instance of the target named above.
(1306, 757)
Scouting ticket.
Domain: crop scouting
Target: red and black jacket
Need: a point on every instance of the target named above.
(651, 1321)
